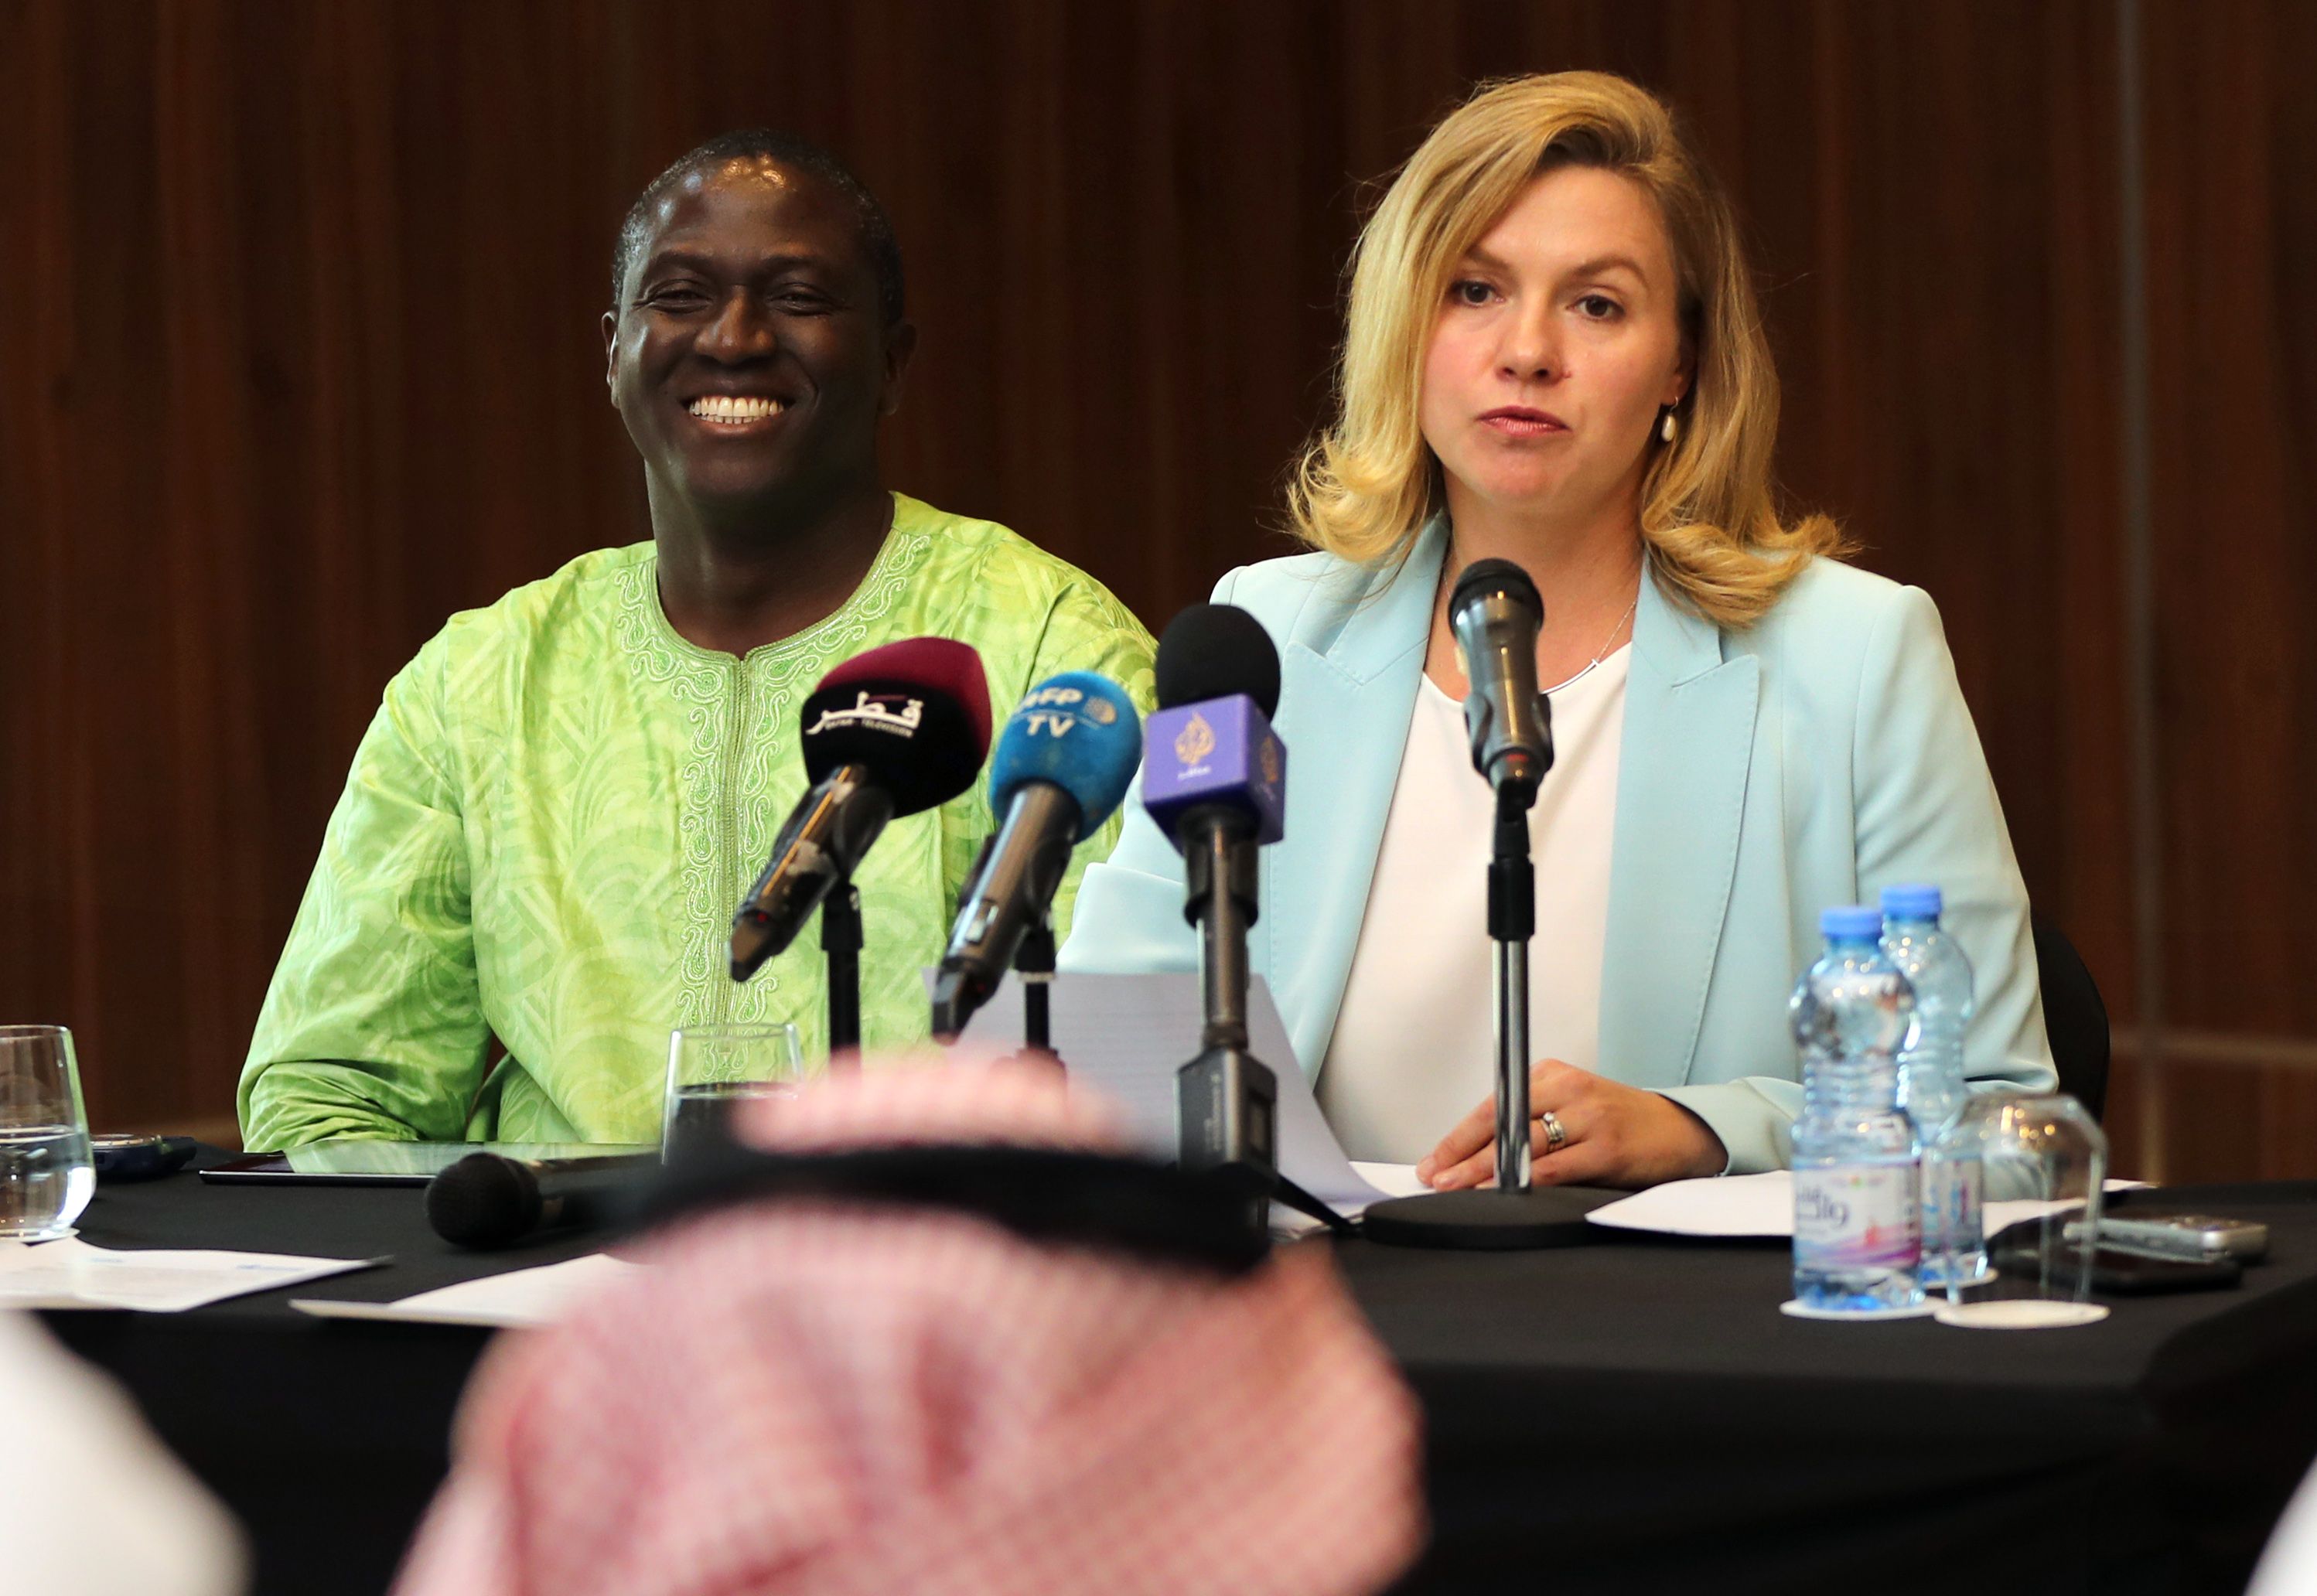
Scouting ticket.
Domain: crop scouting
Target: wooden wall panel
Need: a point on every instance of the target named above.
(312, 360)
(2232, 142)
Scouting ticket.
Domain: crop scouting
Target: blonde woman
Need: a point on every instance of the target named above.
(1554, 357)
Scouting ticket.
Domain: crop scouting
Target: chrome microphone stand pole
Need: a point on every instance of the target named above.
(1516, 1213)
(1512, 922)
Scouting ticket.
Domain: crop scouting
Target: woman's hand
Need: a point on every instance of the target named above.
(1613, 1136)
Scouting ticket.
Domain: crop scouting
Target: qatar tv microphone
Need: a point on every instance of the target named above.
(891, 732)
(1061, 767)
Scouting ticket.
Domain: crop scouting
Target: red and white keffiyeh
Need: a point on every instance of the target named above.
(814, 1399)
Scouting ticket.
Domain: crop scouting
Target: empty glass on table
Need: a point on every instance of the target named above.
(2044, 1164)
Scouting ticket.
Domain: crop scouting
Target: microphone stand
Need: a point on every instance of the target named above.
(1220, 890)
(840, 939)
(1227, 1098)
(1515, 1216)
(1034, 964)
(1512, 922)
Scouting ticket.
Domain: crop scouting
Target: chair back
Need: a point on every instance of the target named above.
(2074, 1017)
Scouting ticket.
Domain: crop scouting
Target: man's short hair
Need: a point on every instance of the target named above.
(789, 149)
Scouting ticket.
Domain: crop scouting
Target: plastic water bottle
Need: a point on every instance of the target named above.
(1857, 1234)
(1932, 1086)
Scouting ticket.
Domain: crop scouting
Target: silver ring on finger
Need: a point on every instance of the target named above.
(1555, 1137)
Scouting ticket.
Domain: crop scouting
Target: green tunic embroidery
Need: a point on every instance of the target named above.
(560, 801)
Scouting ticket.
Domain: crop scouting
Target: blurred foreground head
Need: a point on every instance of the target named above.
(816, 1396)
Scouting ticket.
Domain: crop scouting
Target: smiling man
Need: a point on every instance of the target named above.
(563, 797)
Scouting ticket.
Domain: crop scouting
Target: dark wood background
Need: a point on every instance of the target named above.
(297, 353)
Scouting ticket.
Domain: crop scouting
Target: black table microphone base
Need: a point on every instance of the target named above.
(1488, 1220)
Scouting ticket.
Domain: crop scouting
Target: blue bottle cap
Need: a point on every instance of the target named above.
(1850, 922)
(1911, 901)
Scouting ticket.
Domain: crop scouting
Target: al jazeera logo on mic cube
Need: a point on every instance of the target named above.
(1217, 750)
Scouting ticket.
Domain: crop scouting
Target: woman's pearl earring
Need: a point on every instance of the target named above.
(1666, 430)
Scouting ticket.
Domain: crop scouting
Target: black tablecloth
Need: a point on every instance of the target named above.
(1631, 1416)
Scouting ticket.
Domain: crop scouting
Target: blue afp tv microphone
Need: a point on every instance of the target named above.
(1061, 767)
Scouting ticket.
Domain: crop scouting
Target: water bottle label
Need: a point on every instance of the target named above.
(1857, 1217)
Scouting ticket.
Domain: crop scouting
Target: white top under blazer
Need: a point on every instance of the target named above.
(1414, 1049)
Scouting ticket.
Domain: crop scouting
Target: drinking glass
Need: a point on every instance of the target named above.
(46, 1175)
(713, 1069)
(2043, 1163)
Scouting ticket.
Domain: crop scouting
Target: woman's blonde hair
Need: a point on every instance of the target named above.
(1709, 515)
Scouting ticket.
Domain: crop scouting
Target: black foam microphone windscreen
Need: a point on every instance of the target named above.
(1217, 651)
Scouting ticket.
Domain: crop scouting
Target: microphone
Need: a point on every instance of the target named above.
(1214, 778)
(1212, 764)
(895, 730)
(489, 1201)
(1214, 651)
(1061, 765)
(1496, 613)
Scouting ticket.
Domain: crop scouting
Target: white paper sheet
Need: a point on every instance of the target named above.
(1760, 1205)
(1127, 1034)
(522, 1298)
(1393, 1179)
(75, 1274)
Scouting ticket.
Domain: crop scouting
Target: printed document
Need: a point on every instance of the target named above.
(1126, 1036)
(73, 1274)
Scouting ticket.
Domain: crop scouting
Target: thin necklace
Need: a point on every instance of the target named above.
(1604, 654)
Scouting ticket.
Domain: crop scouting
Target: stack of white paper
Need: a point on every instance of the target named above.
(1393, 1179)
(73, 1274)
(1126, 1036)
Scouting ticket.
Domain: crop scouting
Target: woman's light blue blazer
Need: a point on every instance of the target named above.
(1810, 760)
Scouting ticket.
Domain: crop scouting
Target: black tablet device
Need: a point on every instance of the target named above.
(370, 1163)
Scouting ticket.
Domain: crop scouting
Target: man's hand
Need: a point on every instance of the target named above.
(1615, 1136)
